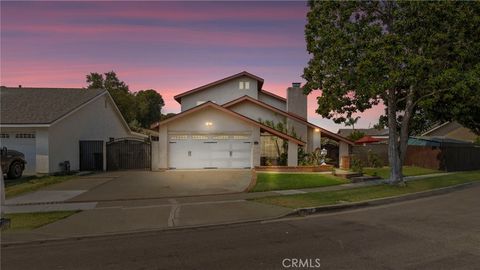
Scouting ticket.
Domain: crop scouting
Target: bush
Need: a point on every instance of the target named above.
(374, 159)
(356, 135)
(356, 164)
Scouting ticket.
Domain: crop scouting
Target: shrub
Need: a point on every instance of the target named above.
(356, 164)
(356, 135)
(374, 159)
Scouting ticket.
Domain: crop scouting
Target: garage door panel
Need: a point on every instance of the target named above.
(27, 146)
(205, 152)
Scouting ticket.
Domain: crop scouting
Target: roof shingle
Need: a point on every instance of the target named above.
(41, 105)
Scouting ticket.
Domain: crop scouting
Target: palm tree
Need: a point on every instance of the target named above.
(352, 121)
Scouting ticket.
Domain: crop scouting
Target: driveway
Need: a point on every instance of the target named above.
(128, 185)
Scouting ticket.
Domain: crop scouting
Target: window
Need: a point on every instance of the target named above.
(199, 137)
(4, 136)
(240, 137)
(220, 137)
(244, 85)
(25, 136)
(178, 137)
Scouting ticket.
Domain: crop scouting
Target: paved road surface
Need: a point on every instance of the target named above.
(441, 232)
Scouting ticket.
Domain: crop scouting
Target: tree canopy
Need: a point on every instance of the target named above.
(420, 59)
(139, 109)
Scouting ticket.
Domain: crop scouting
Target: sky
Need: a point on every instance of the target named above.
(171, 47)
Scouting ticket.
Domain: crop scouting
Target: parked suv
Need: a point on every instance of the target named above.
(13, 163)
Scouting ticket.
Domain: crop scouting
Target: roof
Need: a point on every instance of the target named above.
(325, 132)
(436, 141)
(41, 105)
(230, 112)
(203, 87)
(263, 91)
(367, 131)
(366, 139)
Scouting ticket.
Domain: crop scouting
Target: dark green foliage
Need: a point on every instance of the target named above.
(420, 59)
(140, 110)
(374, 160)
(356, 135)
(356, 164)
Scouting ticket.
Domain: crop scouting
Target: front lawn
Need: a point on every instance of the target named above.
(384, 172)
(28, 221)
(281, 181)
(368, 193)
(27, 184)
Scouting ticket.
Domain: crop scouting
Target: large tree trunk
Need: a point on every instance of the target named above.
(396, 176)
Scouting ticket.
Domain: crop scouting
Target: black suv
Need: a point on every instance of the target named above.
(13, 163)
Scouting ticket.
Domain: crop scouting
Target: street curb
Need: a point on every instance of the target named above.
(297, 212)
(375, 202)
(133, 232)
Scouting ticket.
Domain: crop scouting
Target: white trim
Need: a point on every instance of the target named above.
(435, 128)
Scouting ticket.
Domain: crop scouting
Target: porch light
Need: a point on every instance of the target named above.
(317, 130)
(208, 124)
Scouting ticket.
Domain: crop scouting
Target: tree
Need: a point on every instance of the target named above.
(148, 105)
(117, 89)
(140, 110)
(417, 58)
(352, 121)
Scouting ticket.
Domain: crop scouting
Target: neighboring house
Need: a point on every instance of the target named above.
(381, 134)
(451, 130)
(224, 125)
(53, 125)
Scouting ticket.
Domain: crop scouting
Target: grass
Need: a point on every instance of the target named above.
(29, 221)
(28, 184)
(280, 181)
(368, 193)
(384, 172)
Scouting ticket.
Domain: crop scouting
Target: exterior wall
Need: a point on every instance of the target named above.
(222, 123)
(257, 112)
(96, 121)
(297, 101)
(42, 146)
(313, 139)
(292, 154)
(299, 128)
(282, 105)
(221, 93)
(344, 150)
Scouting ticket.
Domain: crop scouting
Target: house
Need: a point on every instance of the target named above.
(451, 130)
(54, 125)
(234, 123)
(381, 134)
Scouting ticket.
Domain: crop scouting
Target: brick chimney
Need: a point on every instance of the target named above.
(296, 100)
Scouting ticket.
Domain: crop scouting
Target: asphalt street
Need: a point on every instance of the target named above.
(441, 232)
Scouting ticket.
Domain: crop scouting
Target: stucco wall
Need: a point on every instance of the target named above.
(282, 105)
(221, 93)
(255, 112)
(96, 121)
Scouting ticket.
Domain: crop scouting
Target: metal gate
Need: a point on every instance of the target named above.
(129, 154)
(91, 155)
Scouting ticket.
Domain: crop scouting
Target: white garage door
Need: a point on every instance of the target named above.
(209, 151)
(24, 143)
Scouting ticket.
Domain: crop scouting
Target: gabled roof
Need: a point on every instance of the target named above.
(325, 132)
(23, 106)
(263, 91)
(232, 113)
(243, 73)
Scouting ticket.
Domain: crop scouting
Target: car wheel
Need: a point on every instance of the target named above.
(16, 170)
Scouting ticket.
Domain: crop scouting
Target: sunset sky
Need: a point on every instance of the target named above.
(171, 47)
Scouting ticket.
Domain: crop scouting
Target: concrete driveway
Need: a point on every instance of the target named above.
(128, 185)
